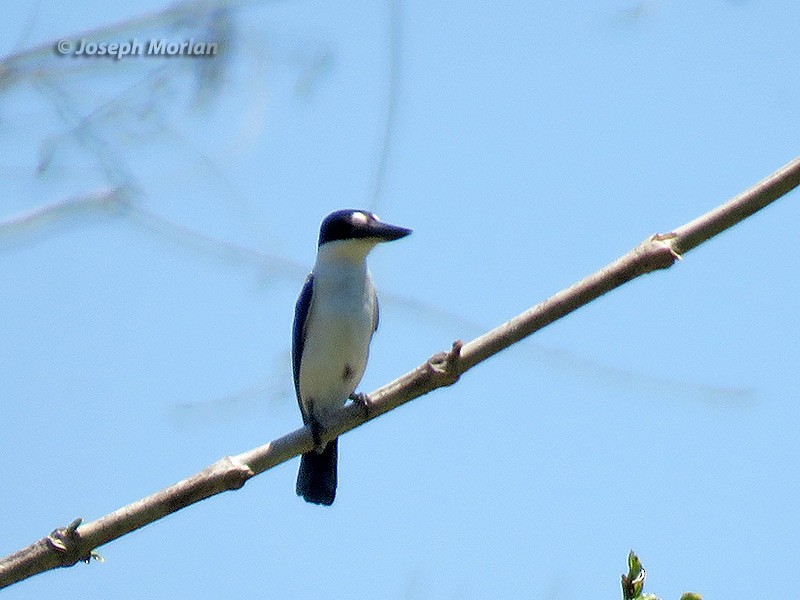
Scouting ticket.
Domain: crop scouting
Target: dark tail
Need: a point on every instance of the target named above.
(316, 480)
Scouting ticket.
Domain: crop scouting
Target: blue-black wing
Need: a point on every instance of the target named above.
(299, 332)
(316, 479)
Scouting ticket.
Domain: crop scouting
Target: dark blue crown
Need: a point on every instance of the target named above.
(351, 224)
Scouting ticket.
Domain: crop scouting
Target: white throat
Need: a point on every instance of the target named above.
(346, 251)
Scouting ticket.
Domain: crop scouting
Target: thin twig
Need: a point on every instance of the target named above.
(392, 97)
(76, 542)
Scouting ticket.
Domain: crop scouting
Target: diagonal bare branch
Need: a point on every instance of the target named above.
(68, 545)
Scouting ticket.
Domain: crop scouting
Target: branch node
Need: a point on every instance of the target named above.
(445, 367)
(67, 542)
(668, 241)
(238, 473)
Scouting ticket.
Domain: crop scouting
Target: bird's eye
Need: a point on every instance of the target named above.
(359, 218)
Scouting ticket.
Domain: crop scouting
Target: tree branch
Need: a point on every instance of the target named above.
(68, 545)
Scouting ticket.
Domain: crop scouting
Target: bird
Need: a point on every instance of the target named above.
(335, 317)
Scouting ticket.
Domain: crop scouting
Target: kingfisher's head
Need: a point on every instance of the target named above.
(350, 224)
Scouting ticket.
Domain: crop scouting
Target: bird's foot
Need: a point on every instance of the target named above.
(361, 399)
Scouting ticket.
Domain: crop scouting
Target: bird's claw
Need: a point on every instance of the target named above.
(360, 398)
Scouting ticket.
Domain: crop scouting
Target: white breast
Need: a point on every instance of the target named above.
(339, 333)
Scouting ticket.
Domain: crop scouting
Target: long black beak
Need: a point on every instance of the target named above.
(386, 232)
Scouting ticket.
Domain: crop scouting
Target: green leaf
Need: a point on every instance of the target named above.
(633, 582)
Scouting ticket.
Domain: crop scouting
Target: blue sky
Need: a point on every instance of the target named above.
(533, 143)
